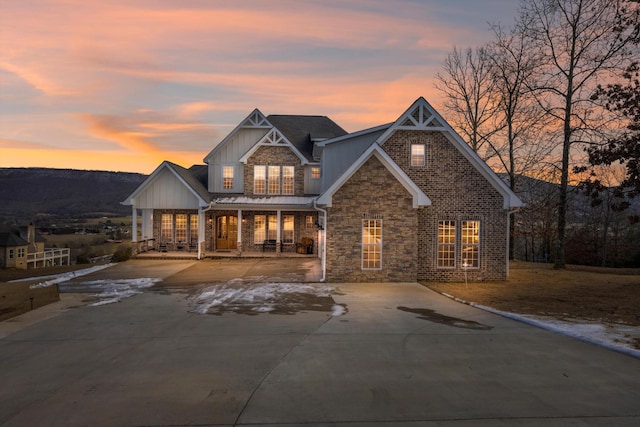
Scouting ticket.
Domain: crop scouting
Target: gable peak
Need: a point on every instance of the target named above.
(256, 120)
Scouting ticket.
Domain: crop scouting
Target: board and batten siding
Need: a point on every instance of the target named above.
(337, 157)
(166, 191)
(229, 154)
(311, 185)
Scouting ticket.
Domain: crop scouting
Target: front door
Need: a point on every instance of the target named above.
(227, 232)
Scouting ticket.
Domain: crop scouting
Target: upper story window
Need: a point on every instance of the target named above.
(316, 172)
(227, 177)
(273, 180)
(287, 180)
(418, 157)
(259, 179)
(20, 252)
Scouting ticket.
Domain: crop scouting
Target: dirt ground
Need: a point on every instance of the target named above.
(589, 293)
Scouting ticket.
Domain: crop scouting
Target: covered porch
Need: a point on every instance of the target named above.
(262, 226)
(154, 254)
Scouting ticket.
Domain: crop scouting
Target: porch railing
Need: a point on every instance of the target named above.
(48, 257)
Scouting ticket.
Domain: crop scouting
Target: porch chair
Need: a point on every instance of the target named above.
(305, 246)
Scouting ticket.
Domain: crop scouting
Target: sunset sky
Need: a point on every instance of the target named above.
(121, 85)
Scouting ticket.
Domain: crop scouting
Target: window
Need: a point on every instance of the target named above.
(470, 244)
(20, 252)
(315, 172)
(272, 227)
(193, 228)
(227, 177)
(310, 221)
(259, 229)
(259, 179)
(181, 227)
(287, 229)
(274, 180)
(11, 254)
(446, 244)
(371, 244)
(287, 179)
(417, 155)
(166, 228)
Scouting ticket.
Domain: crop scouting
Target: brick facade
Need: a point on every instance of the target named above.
(274, 156)
(458, 192)
(372, 192)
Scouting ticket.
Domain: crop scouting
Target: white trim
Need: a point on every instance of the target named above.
(273, 138)
(233, 186)
(255, 120)
(362, 244)
(419, 198)
(424, 155)
(479, 245)
(166, 164)
(426, 116)
(455, 244)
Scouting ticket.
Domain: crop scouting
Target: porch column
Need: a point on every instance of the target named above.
(201, 234)
(134, 229)
(147, 228)
(239, 242)
(278, 232)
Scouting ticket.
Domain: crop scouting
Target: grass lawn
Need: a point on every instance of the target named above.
(578, 293)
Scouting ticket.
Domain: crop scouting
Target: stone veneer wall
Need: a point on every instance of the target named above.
(458, 192)
(372, 191)
(157, 220)
(274, 156)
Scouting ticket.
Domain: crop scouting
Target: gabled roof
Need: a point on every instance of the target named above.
(419, 198)
(11, 238)
(422, 116)
(302, 131)
(374, 132)
(189, 179)
(274, 138)
(255, 120)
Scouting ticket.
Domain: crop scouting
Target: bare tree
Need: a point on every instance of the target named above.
(579, 43)
(468, 86)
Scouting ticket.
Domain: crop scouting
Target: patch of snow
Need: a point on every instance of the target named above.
(261, 297)
(338, 310)
(60, 278)
(615, 337)
(111, 291)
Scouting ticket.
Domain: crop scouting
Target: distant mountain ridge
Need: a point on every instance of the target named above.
(26, 193)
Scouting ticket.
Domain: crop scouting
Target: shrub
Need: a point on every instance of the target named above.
(121, 254)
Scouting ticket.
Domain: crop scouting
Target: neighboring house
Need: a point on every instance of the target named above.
(404, 201)
(17, 243)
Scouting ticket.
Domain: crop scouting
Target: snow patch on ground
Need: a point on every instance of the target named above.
(620, 338)
(110, 291)
(60, 278)
(254, 298)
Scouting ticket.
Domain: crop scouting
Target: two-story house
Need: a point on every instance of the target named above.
(404, 201)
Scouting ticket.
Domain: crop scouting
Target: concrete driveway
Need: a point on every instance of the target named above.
(401, 355)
